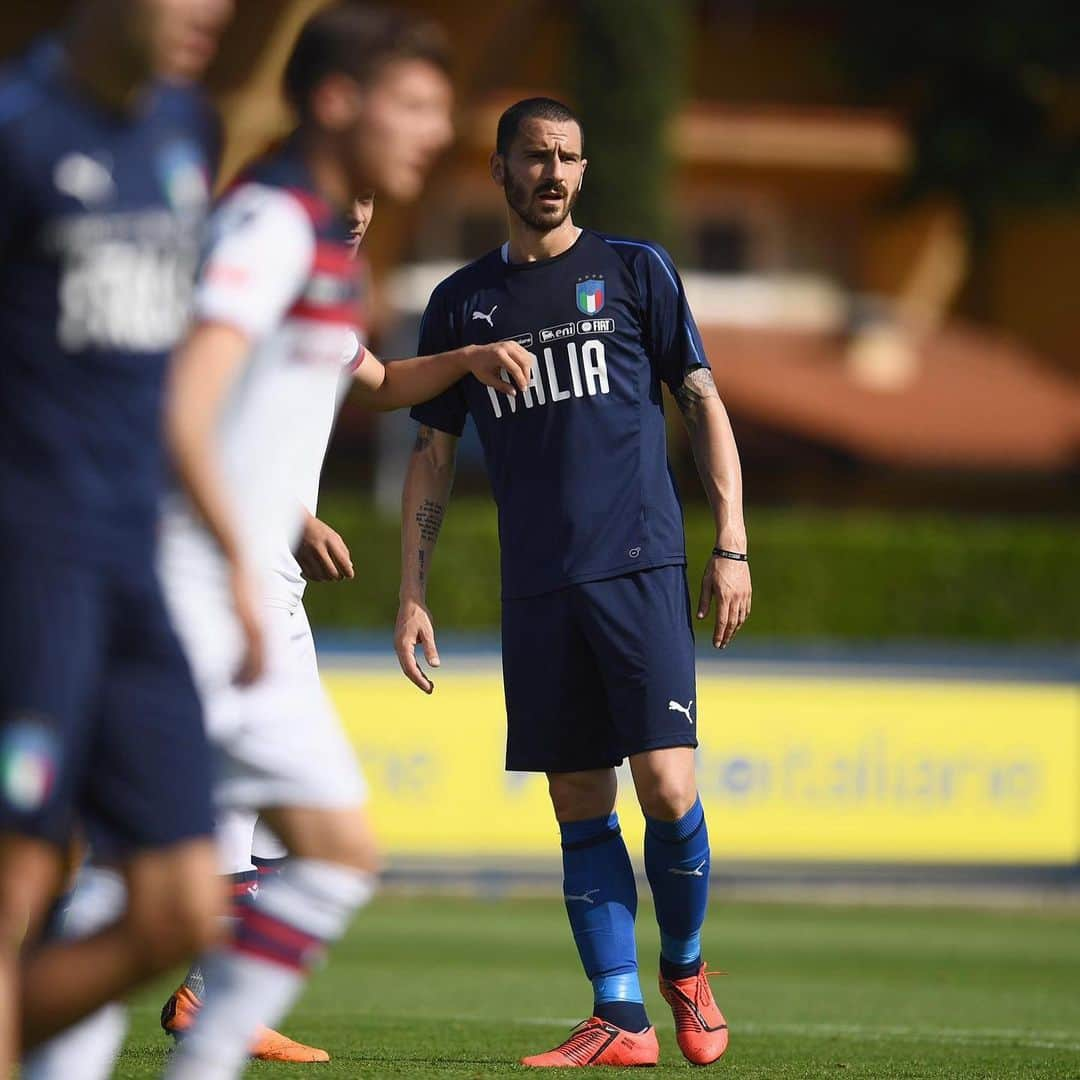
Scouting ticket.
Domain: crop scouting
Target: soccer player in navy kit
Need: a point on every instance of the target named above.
(598, 652)
(103, 191)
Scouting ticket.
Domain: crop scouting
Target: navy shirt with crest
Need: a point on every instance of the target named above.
(101, 215)
(578, 462)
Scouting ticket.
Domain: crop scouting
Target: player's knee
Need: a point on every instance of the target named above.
(354, 848)
(28, 885)
(667, 796)
(581, 796)
(343, 837)
(16, 916)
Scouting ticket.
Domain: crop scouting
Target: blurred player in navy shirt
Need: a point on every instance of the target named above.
(598, 650)
(107, 166)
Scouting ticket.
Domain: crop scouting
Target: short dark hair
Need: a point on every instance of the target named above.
(534, 108)
(358, 40)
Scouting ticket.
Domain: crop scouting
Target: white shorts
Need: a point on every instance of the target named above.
(277, 742)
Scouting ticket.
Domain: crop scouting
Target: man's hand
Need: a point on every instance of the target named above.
(414, 628)
(728, 582)
(246, 604)
(323, 555)
(488, 362)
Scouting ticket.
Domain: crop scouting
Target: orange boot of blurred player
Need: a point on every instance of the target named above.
(179, 1012)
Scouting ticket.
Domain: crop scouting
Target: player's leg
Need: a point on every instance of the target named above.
(102, 938)
(172, 904)
(294, 762)
(234, 832)
(89, 1048)
(238, 838)
(557, 723)
(676, 853)
(641, 629)
(255, 980)
(146, 808)
(51, 642)
(30, 873)
(677, 862)
(600, 893)
(202, 616)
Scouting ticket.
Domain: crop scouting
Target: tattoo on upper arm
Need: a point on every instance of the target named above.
(696, 387)
(424, 437)
(430, 518)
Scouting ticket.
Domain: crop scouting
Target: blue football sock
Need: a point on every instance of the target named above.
(677, 865)
(601, 901)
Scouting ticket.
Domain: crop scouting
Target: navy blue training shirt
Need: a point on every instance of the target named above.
(578, 462)
(101, 215)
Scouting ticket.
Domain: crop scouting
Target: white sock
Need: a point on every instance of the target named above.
(257, 979)
(266, 844)
(234, 832)
(87, 1050)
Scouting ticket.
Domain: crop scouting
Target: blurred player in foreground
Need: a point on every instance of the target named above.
(254, 390)
(598, 649)
(103, 191)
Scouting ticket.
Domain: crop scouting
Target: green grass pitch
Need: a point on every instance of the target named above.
(462, 988)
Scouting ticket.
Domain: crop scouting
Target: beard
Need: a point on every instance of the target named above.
(537, 215)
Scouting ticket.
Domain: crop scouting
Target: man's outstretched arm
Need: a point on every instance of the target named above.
(717, 458)
(503, 365)
(428, 481)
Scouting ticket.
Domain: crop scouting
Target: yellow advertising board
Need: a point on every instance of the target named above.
(789, 768)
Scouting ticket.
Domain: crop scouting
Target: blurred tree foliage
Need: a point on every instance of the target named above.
(992, 92)
(629, 82)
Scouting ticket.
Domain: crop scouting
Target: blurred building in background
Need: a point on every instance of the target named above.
(882, 332)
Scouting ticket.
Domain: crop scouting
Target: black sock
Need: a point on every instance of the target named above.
(679, 971)
(265, 867)
(243, 888)
(628, 1015)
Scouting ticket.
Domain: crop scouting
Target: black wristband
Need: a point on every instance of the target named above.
(737, 556)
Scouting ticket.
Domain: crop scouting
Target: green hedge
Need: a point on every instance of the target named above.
(817, 574)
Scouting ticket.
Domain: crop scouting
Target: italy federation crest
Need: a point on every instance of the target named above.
(590, 295)
(180, 167)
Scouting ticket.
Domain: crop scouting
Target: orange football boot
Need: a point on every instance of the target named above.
(700, 1027)
(596, 1042)
(179, 1012)
(271, 1045)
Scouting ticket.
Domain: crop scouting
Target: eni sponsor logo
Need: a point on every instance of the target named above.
(556, 333)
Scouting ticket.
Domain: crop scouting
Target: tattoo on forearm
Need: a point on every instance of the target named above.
(429, 518)
(422, 568)
(423, 439)
(696, 387)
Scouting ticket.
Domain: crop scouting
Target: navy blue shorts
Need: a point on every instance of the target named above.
(100, 724)
(597, 672)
